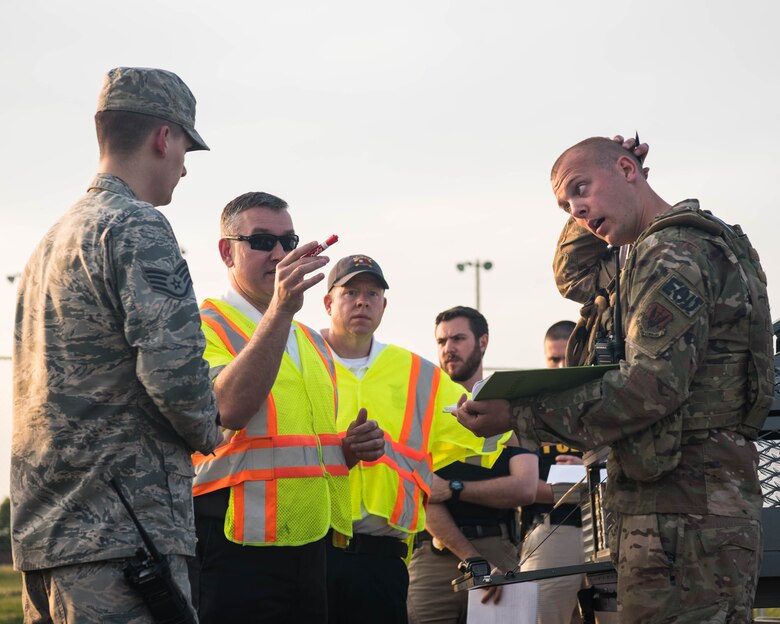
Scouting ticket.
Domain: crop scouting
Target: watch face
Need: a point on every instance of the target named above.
(456, 486)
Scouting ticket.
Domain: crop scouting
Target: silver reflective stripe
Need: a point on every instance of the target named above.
(296, 456)
(254, 511)
(333, 455)
(263, 459)
(406, 518)
(410, 465)
(319, 343)
(237, 341)
(422, 398)
(214, 371)
(223, 467)
(258, 424)
(491, 444)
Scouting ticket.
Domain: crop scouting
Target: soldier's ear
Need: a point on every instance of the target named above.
(483, 343)
(628, 168)
(160, 139)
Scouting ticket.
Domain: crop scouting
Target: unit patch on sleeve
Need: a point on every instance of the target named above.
(176, 283)
(682, 296)
(655, 320)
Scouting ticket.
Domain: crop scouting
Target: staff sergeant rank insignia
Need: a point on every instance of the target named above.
(681, 296)
(176, 283)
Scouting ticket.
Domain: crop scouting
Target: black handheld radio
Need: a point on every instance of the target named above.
(149, 574)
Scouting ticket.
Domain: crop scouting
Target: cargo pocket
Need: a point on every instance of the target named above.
(180, 489)
(653, 452)
(715, 613)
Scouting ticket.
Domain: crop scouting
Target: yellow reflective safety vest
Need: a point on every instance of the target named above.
(406, 395)
(286, 470)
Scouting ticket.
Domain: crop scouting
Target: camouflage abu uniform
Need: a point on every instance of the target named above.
(109, 380)
(688, 499)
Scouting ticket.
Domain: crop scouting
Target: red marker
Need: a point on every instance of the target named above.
(333, 238)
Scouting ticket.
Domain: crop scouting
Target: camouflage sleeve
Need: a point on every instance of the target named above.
(153, 293)
(670, 300)
(579, 265)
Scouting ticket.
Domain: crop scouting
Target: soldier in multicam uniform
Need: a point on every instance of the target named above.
(694, 386)
(109, 379)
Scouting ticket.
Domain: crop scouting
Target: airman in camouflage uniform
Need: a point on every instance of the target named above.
(682, 471)
(109, 379)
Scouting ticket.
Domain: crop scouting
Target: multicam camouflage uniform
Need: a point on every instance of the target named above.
(109, 380)
(687, 540)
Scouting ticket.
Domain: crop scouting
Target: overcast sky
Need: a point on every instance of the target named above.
(422, 133)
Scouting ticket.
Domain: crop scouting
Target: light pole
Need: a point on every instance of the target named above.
(486, 264)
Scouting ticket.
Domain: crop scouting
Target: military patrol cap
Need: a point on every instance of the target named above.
(350, 266)
(154, 92)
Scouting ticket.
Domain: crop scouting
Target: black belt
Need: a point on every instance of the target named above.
(472, 531)
(379, 545)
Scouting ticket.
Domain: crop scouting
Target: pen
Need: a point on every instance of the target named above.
(333, 238)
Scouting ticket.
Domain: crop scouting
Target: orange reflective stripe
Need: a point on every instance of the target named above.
(216, 484)
(295, 440)
(417, 506)
(271, 419)
(238, 517)
(328, 364)
(331, 439)
(295, 472)
(217, 328)
(399, 503)
(428, 422)
(209, 305)
(215, 325)
(411, 399)
(325, 362)
(399, 448)
(271, 498)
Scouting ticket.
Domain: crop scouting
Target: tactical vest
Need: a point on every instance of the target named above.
(742, 408)
(286, 470)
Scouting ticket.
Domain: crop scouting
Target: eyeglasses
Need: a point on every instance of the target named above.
(266, 242)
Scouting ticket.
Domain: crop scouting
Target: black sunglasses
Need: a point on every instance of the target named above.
(266, 242)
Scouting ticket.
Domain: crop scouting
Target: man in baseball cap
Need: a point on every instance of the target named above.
(406, 395)
(109, 378)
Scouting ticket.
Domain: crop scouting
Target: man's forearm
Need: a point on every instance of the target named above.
(243, 385)
(441, 525)
(517, 488)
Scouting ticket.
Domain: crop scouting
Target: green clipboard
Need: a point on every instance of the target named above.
(518, 384)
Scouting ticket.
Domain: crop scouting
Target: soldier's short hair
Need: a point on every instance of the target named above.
(123, 132)
(560, 330)
(253, 199)
(600, 151)
(477, 322)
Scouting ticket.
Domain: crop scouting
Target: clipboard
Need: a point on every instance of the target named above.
(518, 384)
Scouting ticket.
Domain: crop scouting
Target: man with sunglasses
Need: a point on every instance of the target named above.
(267, 498)
(109, 379)
(407, 395)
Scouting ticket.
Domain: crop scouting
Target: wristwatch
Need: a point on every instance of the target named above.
(456, 487)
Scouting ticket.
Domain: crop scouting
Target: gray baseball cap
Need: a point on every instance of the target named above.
(154, 92)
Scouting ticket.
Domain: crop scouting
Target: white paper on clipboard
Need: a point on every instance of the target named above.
(517, 605)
